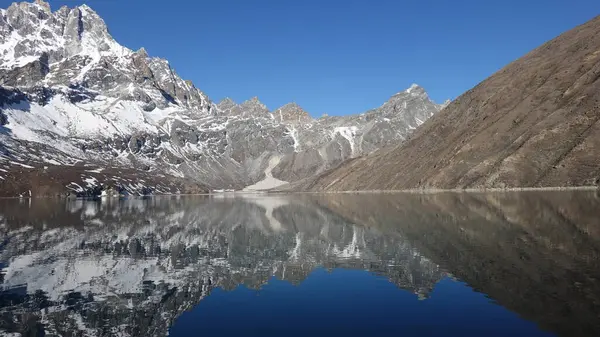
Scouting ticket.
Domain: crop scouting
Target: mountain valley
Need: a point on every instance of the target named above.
(74, 101)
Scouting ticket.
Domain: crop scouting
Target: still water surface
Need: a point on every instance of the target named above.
(447, 264)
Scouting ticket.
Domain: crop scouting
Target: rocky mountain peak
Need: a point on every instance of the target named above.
(413, 105)
(227, 101)
(414, 93)
(228, 106)
(29, 29)
(254, 100)
(142, 52)
(291, 113)
(254, 107)
(44, 4)
(86, 32)
(414, 90)
(83, 54)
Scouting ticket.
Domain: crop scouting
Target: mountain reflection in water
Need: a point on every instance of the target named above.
(149, 267)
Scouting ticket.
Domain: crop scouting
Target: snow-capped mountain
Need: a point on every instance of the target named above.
(71, 95)
(130, 268)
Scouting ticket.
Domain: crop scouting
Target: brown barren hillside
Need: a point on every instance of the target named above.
(532, 124)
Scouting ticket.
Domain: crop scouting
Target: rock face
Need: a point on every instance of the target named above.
(291, 113)
(532, 124)
(71, 94)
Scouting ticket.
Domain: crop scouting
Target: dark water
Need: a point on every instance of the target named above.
(450, 264)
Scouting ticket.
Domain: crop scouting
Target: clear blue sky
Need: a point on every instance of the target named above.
(336, 57)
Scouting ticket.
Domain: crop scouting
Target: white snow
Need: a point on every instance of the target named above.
(86, 69)
(19, 62)
(103, 117)
(412, 89)
(94, 43)
(20, 164)
(74, 187)
(51, 161)
(90, 182)
(348, 132)
(294, 134)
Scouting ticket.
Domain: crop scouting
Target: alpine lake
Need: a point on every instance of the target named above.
(406, 264)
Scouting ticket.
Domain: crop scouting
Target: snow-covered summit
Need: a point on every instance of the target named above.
(73, 47)
(31, 29)
(414, 90)
(413, 87)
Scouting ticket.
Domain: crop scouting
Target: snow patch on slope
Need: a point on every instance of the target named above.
(104, 117)
(349, 133)
(293, 132)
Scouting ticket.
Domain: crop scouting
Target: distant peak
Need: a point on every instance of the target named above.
(86, 8)
(413, 90)
(291, 105)
(227, 100)
(291, 112)
(413, 87)
(288, 106)
(254, 101)
(142, 51)
(43, 4)
(228, 106)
